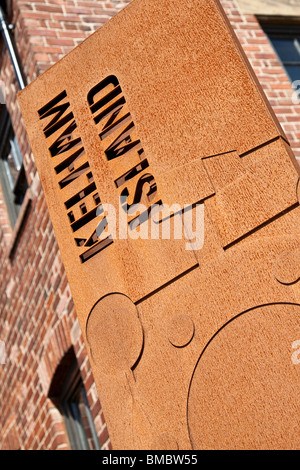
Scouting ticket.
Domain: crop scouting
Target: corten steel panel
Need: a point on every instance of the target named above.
(161, 106)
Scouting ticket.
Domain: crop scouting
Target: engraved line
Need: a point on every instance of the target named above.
(264, 224)
(167, 284)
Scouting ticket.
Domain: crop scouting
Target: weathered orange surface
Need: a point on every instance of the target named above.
(189, 349)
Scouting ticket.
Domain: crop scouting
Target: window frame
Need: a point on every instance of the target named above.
(286, 29)
(68, 405)
(13, 191)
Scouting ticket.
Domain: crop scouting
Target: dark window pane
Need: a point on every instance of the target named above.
(286, 49)
(15, 151)
(12, 174)
(285, 39)
(293, 72)
(11, 169)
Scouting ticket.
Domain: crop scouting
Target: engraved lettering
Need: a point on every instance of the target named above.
(65, 141)
(83, 205)
(132, 173)
(110, 113)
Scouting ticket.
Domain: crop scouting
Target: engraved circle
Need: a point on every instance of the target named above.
(244, 393)
(164, 442)
(181, 330)
(287, 267)
(115, 334)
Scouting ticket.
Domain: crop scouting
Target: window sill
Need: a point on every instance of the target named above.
(15, 236)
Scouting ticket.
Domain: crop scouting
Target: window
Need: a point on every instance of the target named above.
(72, 403)
(78, 418)
(12, 174)
(68, 394)
(286, 42)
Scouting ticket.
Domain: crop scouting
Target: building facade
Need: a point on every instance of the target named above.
(48, 399)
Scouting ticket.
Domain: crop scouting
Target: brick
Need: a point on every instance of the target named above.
(103, 436)
(35, 15)
(282, 110)
(95, 19)
(60, 42)
(274, 71)
(78, 10)
(86, 3)
(258, 41)
(264, 55)
(49, 8)
(42, 57)
(67, 18)
(72, 34)
(252, 48)
(48, 49)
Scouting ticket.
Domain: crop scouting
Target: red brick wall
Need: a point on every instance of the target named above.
(37, 318)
